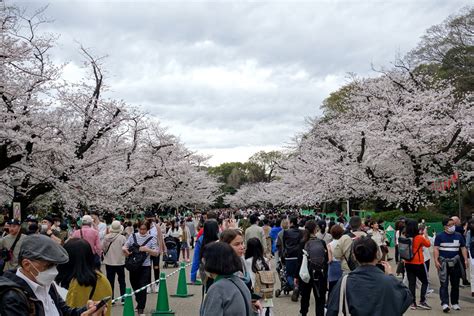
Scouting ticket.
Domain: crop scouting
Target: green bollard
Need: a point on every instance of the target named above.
(182, 289)
(128, 305)
(162, 304)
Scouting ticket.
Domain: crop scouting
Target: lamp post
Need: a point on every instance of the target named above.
(16, 207)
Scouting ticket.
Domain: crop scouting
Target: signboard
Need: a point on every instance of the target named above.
(17, 210)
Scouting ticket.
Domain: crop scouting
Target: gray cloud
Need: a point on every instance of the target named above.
(237, 74)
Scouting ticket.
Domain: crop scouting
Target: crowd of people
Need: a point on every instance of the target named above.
(238, 255)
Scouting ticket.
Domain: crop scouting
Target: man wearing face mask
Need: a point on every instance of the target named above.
(448, 262)
(30, 289)
(47, 229)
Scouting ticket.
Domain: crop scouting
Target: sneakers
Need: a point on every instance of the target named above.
(456, 307)
(413, 306)
(424, 305)
(446, 308)
(295, 295)
(430, 291)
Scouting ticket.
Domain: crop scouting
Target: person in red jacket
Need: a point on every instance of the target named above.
(415, 268)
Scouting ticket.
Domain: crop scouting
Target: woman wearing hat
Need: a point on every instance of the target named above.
(114, 258)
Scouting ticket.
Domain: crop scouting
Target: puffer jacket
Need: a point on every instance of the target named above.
(17, 299)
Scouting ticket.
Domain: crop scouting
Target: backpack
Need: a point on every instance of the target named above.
(352, 262)
(317, 255)
(264, 283)
(405, 248)
(136, 258)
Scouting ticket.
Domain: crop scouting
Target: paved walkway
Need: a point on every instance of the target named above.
(283, 305)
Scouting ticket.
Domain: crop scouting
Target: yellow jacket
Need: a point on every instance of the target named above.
(78, 295)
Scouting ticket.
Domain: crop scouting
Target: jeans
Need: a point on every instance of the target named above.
(331, 286)
(111, 271)
(138, 279)
(453, 277)
(417, 271)
(319, 291)
(291, 266)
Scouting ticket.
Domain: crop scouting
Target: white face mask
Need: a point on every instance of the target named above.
(46, 278)
(44, 227)
(451, 229)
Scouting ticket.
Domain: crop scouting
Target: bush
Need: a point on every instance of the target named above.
(392, 216)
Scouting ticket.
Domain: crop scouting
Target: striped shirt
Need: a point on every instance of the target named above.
(140, 240)
(449, 244)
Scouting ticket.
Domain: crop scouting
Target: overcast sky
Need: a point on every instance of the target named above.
(231, 78)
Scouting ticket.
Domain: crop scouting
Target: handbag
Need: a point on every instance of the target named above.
(400, 268)
(304, 272)
(343, 306)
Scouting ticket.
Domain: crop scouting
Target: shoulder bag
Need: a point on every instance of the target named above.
(343, 306)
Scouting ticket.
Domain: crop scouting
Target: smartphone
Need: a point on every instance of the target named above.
(103, 302)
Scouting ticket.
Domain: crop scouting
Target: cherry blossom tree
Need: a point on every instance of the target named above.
(66, 141)
(399, 132)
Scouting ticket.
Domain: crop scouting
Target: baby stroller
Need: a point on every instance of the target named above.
(171, 256)
(284, 285)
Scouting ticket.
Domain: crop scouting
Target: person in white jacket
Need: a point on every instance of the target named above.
(114, 258)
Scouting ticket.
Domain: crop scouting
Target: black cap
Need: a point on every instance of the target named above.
(14, 221)
(49, 218)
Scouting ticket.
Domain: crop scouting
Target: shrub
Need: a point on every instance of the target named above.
(392, 216)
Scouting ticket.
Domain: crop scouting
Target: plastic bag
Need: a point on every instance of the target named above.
(304, 272)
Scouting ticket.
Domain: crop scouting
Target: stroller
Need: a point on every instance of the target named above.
(171, 256)
(284, 285)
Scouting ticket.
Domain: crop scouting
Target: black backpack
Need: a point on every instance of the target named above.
(136, 258)
(317, 256)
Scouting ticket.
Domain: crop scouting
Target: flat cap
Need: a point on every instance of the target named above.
(41, 247)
